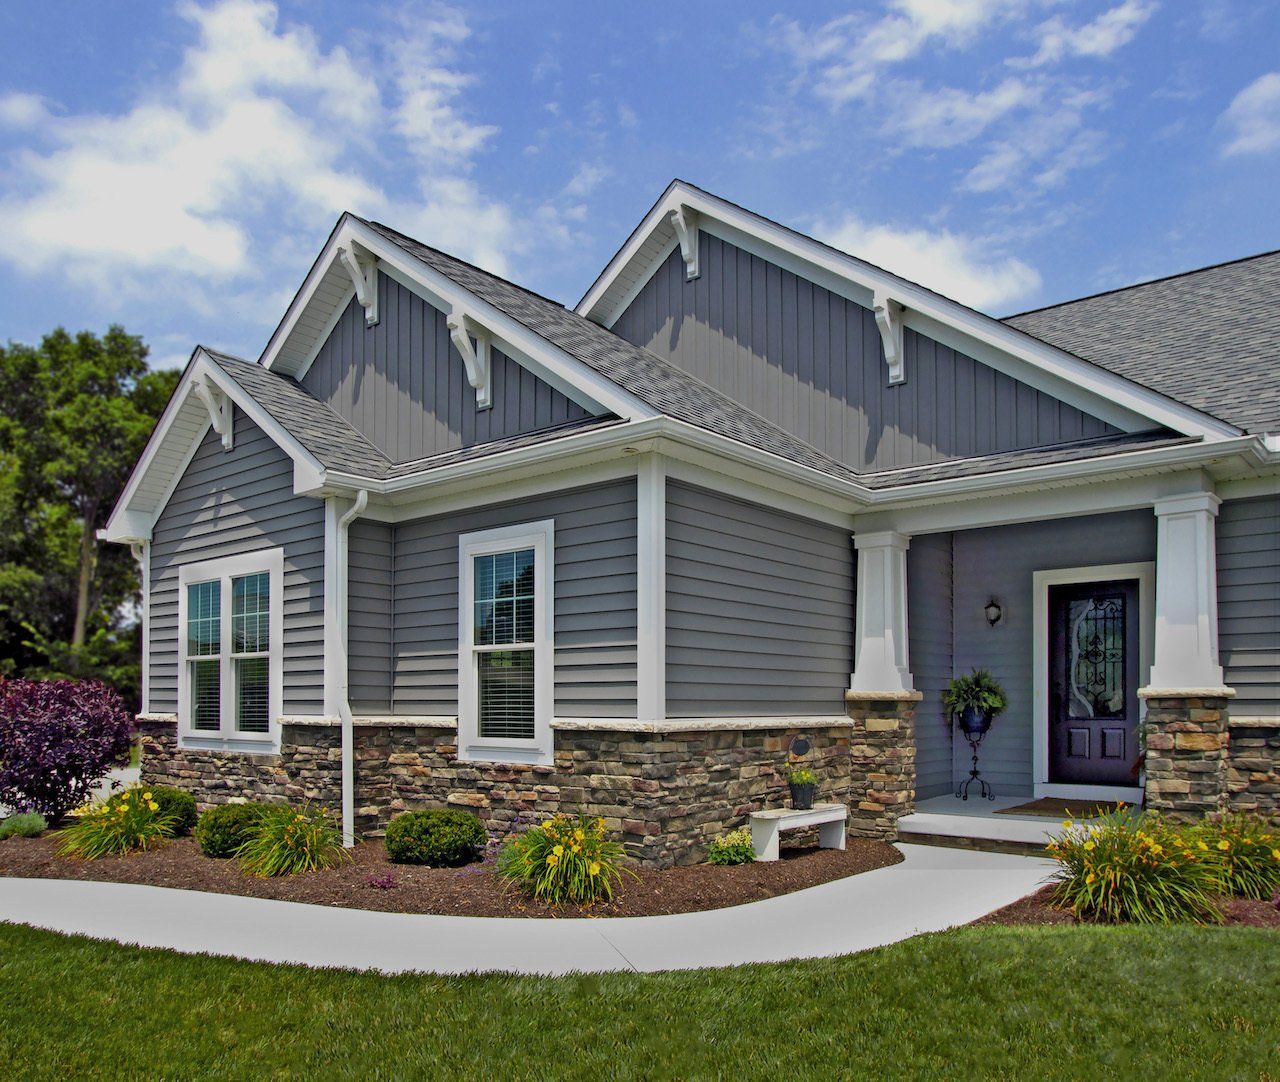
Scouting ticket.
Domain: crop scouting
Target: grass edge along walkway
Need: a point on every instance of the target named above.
(1012, 1002)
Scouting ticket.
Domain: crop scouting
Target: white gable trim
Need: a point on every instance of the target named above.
(1103, 394)
(178, 435)
(297, 339)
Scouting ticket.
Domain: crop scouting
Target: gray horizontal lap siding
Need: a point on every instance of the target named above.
(759, 609)
(369, 620)
(595, 601)
(999, 562)
(812, 362)
(929, 587)
(403, 384)
(1248, 534)
(229, 503)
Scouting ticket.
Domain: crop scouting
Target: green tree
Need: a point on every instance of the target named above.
(75, 414)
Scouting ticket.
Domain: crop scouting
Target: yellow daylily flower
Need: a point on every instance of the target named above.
(594, 867)
(153, 806)
(552, 859)
(1089, 847)
(1224, 845)
(557, 850)
(146, 796)
(1090, 877)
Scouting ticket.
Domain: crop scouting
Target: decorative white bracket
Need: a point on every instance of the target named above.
(889, 320)
(363, 268)
(219, 406)
(685, 221)
(475, 355)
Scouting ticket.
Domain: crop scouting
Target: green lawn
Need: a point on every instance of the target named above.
(979, 1002)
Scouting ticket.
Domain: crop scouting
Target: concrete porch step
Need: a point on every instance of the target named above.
(988, 833)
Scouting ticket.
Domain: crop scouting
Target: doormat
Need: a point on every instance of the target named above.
(1056, 807)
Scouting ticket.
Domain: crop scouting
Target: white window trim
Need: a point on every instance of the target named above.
(472, 747)
(227, 738)
(1145, 574)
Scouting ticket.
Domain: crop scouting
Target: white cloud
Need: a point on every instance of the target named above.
(1253, 117)
(585, 181)
(259, 138)
(967, 269)
(845, 54)
(22, 110)
(949, 117)
(1101, 37)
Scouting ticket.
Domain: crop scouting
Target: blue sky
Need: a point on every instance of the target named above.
(176, 166)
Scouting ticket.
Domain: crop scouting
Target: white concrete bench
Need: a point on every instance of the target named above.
(767, 827)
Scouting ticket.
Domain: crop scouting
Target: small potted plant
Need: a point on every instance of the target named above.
(973, 701)
(802, 782)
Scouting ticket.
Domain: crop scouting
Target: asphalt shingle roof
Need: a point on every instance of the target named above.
(1209, 338)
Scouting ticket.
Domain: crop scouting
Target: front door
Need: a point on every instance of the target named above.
(1093, 683)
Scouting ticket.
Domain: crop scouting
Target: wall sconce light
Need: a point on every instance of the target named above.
(994, 612)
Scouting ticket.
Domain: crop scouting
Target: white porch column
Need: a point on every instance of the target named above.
(1186, 646)
(881, 662)
(651, 587)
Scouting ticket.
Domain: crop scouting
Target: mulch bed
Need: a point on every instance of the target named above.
(1038, 908)
(471, 891)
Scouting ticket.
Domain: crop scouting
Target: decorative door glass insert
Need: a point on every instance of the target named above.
(1095, 643)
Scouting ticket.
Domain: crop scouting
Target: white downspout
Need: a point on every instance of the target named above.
(344, 705)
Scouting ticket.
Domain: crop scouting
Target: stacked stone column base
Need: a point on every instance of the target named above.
(882, 767)
(1188, 741)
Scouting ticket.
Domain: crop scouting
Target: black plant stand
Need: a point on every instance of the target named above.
(984, 789)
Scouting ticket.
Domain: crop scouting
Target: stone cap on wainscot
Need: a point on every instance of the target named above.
(851, 696)
(698, 725)
(1187, 693)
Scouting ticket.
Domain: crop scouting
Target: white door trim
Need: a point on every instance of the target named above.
(1145, 574)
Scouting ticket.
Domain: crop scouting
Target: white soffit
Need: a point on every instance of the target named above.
(1106, 395)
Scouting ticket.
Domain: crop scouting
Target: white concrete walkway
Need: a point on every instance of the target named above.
(931, 890)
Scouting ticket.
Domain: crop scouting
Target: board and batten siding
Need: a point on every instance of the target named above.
(228, 503)
(403, 384)
(595, 601)
(1248, 535)
(812, 362)
(759, 609)
(999, 562)
(931, 643)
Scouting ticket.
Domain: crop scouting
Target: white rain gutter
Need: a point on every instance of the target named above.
(344, 705)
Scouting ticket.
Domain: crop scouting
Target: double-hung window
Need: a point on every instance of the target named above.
(230, 647)
(505, 662)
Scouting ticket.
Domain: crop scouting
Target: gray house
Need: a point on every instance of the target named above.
(448, 542)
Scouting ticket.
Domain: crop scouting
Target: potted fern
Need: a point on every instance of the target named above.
(974, 701)
(802, 783)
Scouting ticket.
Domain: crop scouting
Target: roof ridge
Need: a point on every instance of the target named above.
(1142, 285)
(386, 229)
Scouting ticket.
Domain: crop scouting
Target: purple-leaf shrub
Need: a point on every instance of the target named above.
(58, 739)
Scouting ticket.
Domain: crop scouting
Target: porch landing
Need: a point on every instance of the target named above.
(974, 824)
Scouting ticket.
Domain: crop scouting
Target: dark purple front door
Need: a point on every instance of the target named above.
(1093, 683)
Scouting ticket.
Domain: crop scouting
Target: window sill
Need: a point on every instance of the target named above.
(263, 745)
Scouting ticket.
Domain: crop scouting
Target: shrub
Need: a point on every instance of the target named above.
(1129, 866)
(179, 805)
(732, 848)
(566, 859)
(441, 839)
(23, 825)
(222, 830)
(1247, 850)
(58, 739)
(290, 840)
(128, 822)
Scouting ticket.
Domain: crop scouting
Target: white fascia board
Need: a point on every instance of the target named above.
(567, 374)
(1104, 394)
(129, 523)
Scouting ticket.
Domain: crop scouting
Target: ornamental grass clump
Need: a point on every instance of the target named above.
(1247, 850)
(126, 823)
(566, 859)
(1133, 867)
(23, 825)
(732, 848)
(290, 840)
